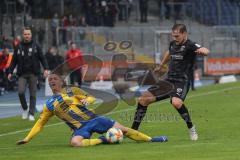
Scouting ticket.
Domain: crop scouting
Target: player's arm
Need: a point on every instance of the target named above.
(13, 64)
(44, 117)
(43, 61)
(202, 51)
(165, 60)
(84, 97)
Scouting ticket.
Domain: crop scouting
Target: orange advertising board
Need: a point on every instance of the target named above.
(221, 66)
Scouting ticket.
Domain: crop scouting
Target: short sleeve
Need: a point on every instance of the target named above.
(194, 46)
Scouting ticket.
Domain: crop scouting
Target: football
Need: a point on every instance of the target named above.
(114, 135)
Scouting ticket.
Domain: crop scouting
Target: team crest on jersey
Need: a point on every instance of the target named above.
(182, 48)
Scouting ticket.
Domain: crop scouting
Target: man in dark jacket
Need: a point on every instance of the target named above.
(143, 7)
(27, 57)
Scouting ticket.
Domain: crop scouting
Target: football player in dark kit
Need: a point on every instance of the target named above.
(181, 57)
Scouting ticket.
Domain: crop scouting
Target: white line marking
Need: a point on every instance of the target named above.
(55, 124)
(24, 130)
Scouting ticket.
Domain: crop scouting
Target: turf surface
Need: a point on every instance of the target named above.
(214, 110)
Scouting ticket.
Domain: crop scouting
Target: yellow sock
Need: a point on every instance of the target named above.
(137, 136)
(91, 142)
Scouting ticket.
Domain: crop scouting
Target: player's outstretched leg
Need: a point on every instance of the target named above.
(143, 102)
(139, 136)
(79, 141)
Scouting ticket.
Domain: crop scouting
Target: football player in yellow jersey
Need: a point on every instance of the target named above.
(71, 108)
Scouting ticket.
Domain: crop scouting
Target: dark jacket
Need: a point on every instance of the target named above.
(34, 52)
(53, 60)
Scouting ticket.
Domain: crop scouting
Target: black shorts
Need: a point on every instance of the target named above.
(167, 88)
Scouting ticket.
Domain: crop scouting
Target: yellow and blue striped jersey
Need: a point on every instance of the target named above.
(68, 107)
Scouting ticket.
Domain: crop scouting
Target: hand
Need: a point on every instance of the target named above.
(84, 102)
(158, 68)
(202, 51)
(9, 76)
(45, 73)
(22, 142)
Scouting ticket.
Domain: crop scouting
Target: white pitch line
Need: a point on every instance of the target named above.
(194, 96)
(24, 130)
(7, 105)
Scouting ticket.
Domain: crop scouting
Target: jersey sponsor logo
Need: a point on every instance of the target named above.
(177, 57)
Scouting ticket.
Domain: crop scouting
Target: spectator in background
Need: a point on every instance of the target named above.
(167, 9)
(16, 41)
(130, 7)
(72, 20)
(123, 9)
(5, 42)
(143, 7)
(40, 35)
(111, 13)
(192, 77)
(54, 25)
(27, 57)
(75, 61)
(82, 21)
(5, 60)
(64, 25)
(53, 58)
(177, 9)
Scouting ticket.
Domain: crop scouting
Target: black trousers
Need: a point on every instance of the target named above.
(31, 81)
(76, 76)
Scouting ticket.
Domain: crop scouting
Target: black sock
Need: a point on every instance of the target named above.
(139, 115)
(183, 111)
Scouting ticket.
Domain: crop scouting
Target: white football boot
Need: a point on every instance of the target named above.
(193, 134)
(25, 114)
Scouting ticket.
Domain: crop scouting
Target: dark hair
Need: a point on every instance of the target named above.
(27, 28)
(181, 27)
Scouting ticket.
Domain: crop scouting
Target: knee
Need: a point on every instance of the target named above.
(176, 102)
(143, 101)
(146, 99)
(75, 143)
(32, 97)
(20, 94)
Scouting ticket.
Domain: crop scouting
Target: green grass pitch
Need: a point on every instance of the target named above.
(215, 111)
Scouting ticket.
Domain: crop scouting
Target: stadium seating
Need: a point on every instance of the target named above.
(207, 12)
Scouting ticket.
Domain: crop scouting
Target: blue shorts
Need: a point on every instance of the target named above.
(98, 125)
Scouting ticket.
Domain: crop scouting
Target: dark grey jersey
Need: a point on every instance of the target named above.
(182, 60)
